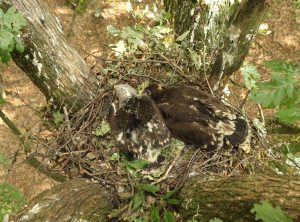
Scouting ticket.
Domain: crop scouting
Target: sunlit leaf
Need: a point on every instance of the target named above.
(250, 75)
(6, 38)
(267, 213)
(183, 36)
(103, 129)
(112, 30)
(114, 157)
(57, 118)
(289, 115)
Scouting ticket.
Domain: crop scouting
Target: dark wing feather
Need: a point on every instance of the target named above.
(198, 118)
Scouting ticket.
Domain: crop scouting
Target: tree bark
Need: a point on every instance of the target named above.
(74, 200)
(220, 32)
(228, 199)
(49, 60)
(62, 75)
(232, 199)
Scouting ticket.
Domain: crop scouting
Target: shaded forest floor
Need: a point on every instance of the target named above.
(88, 35)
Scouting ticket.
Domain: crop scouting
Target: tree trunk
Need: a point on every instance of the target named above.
(74, 200)
(233, 198)
(219, 31)
(230, 200)
(62, 75)
(49, 60)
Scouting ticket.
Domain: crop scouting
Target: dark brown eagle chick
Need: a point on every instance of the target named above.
(138, 124)
(200, 119)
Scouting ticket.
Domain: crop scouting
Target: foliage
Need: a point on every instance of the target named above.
(103, 129)
(11, 23)
(136, 164)
(267, 213)
(79, 5)
(57, 118)
(157, 44)
(281, 92)
(159, 210)
(11, 199)
(250, 76)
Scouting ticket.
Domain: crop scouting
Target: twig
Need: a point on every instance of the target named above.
(294, 162)
(237, 84)
(175, 66)
(165, 176)
(261, 114)
(67, 120)
(30, 160)
(245, 99)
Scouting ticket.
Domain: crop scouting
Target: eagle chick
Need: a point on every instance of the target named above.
(200, 119)
(138, 125)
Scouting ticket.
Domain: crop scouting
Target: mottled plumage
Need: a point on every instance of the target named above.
(138, 125)
(200, 119)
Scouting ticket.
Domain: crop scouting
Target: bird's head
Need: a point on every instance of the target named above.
(154, 90)
(124, 92)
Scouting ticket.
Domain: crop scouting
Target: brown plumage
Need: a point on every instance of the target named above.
(200, 119)
(138, 125)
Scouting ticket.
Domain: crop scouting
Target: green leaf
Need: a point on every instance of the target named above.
(19, 45)
(289, 115)
(281, 167)
(58, 118)
(112, 30)
(11, 199)
(13, 20)
(169, 194)
(149, 188)
(6, 38)
(2, 101)
(168, 216)
(267, 213)
(154, 214)
(114, 157)
(250, 75)
(182, 36)
(294, 149)
(81, 6)
(278, 96)
(5, 57)
(137, 201)
(215, 220)
(264, 97)
(103, 129)
(137, 164)
(282, 66)
(173, 201)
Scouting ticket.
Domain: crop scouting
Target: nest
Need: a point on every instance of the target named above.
(78, 149)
